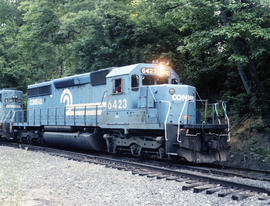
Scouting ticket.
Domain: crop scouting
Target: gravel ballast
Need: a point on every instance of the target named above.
(36, 178)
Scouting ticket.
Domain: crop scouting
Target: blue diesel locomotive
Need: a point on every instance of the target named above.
(140, 109)
(11, 100)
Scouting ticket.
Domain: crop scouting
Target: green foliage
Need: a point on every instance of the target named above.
(36, 38)
(218, 37)
(205, 42)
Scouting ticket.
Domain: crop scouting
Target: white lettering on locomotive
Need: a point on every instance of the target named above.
(80, 109)
(182, 97)
(117, 104)
(13, 106)
(37, 101)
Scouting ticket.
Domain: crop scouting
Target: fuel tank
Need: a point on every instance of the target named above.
(84, 141)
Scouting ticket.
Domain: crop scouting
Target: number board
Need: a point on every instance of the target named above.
(164, 71)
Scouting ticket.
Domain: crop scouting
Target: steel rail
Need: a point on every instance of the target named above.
(261, 175)
(108, 160)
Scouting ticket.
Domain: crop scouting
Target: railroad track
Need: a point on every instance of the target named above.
(262, 175)
(198, 179)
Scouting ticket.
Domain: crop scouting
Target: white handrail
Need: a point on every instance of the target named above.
(228, 121)
(217, 113)
(6, 116)
(153, 94)
(103, 97)
(166, 119)
(11, 121)
(178, 122)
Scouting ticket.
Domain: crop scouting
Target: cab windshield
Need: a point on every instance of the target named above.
(153, 80)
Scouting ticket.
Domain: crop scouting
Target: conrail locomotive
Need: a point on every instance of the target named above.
(140, 110)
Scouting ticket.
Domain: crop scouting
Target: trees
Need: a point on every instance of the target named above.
(98, 35)
(36, 38)
(221, 47)
(221, 36)
(11, 74)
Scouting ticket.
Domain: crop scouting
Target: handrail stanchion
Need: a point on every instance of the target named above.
(65, 115)
(48, 115)
(34, 117)
(205, 111)
(55, 114)
(166, 119)
(228, 121)
(40, 116)
(213, 113)
(84, 115)
(216, 110)
(178, 123)
(96, 115)
(11, 121)
(74, 116)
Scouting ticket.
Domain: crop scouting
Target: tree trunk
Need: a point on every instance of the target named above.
(239, 67)
(254, 75)
(243, 78)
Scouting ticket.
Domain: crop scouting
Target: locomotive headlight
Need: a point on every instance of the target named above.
(171, 91)
(161, 70)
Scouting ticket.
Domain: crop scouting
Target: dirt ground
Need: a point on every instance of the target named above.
(249, 146)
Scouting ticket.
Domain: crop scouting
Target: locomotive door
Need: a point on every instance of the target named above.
(117, 103)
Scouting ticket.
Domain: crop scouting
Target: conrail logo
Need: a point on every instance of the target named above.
(83, 109)
(182, 97)
(66, 97)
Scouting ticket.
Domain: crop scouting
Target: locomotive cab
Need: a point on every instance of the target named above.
(155, 113)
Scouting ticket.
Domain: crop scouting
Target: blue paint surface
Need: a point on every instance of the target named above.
(75, 100)
(11, 100)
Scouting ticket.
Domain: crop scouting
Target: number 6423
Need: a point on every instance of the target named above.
(117, 104)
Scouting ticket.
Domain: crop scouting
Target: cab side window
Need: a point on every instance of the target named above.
(174, 81)
(134, 82)
(118, 87)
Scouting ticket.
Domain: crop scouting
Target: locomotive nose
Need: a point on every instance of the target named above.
(178, 104)
(175, 103)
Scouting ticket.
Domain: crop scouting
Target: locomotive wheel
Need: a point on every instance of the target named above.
(27, 140)
(135, 150)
